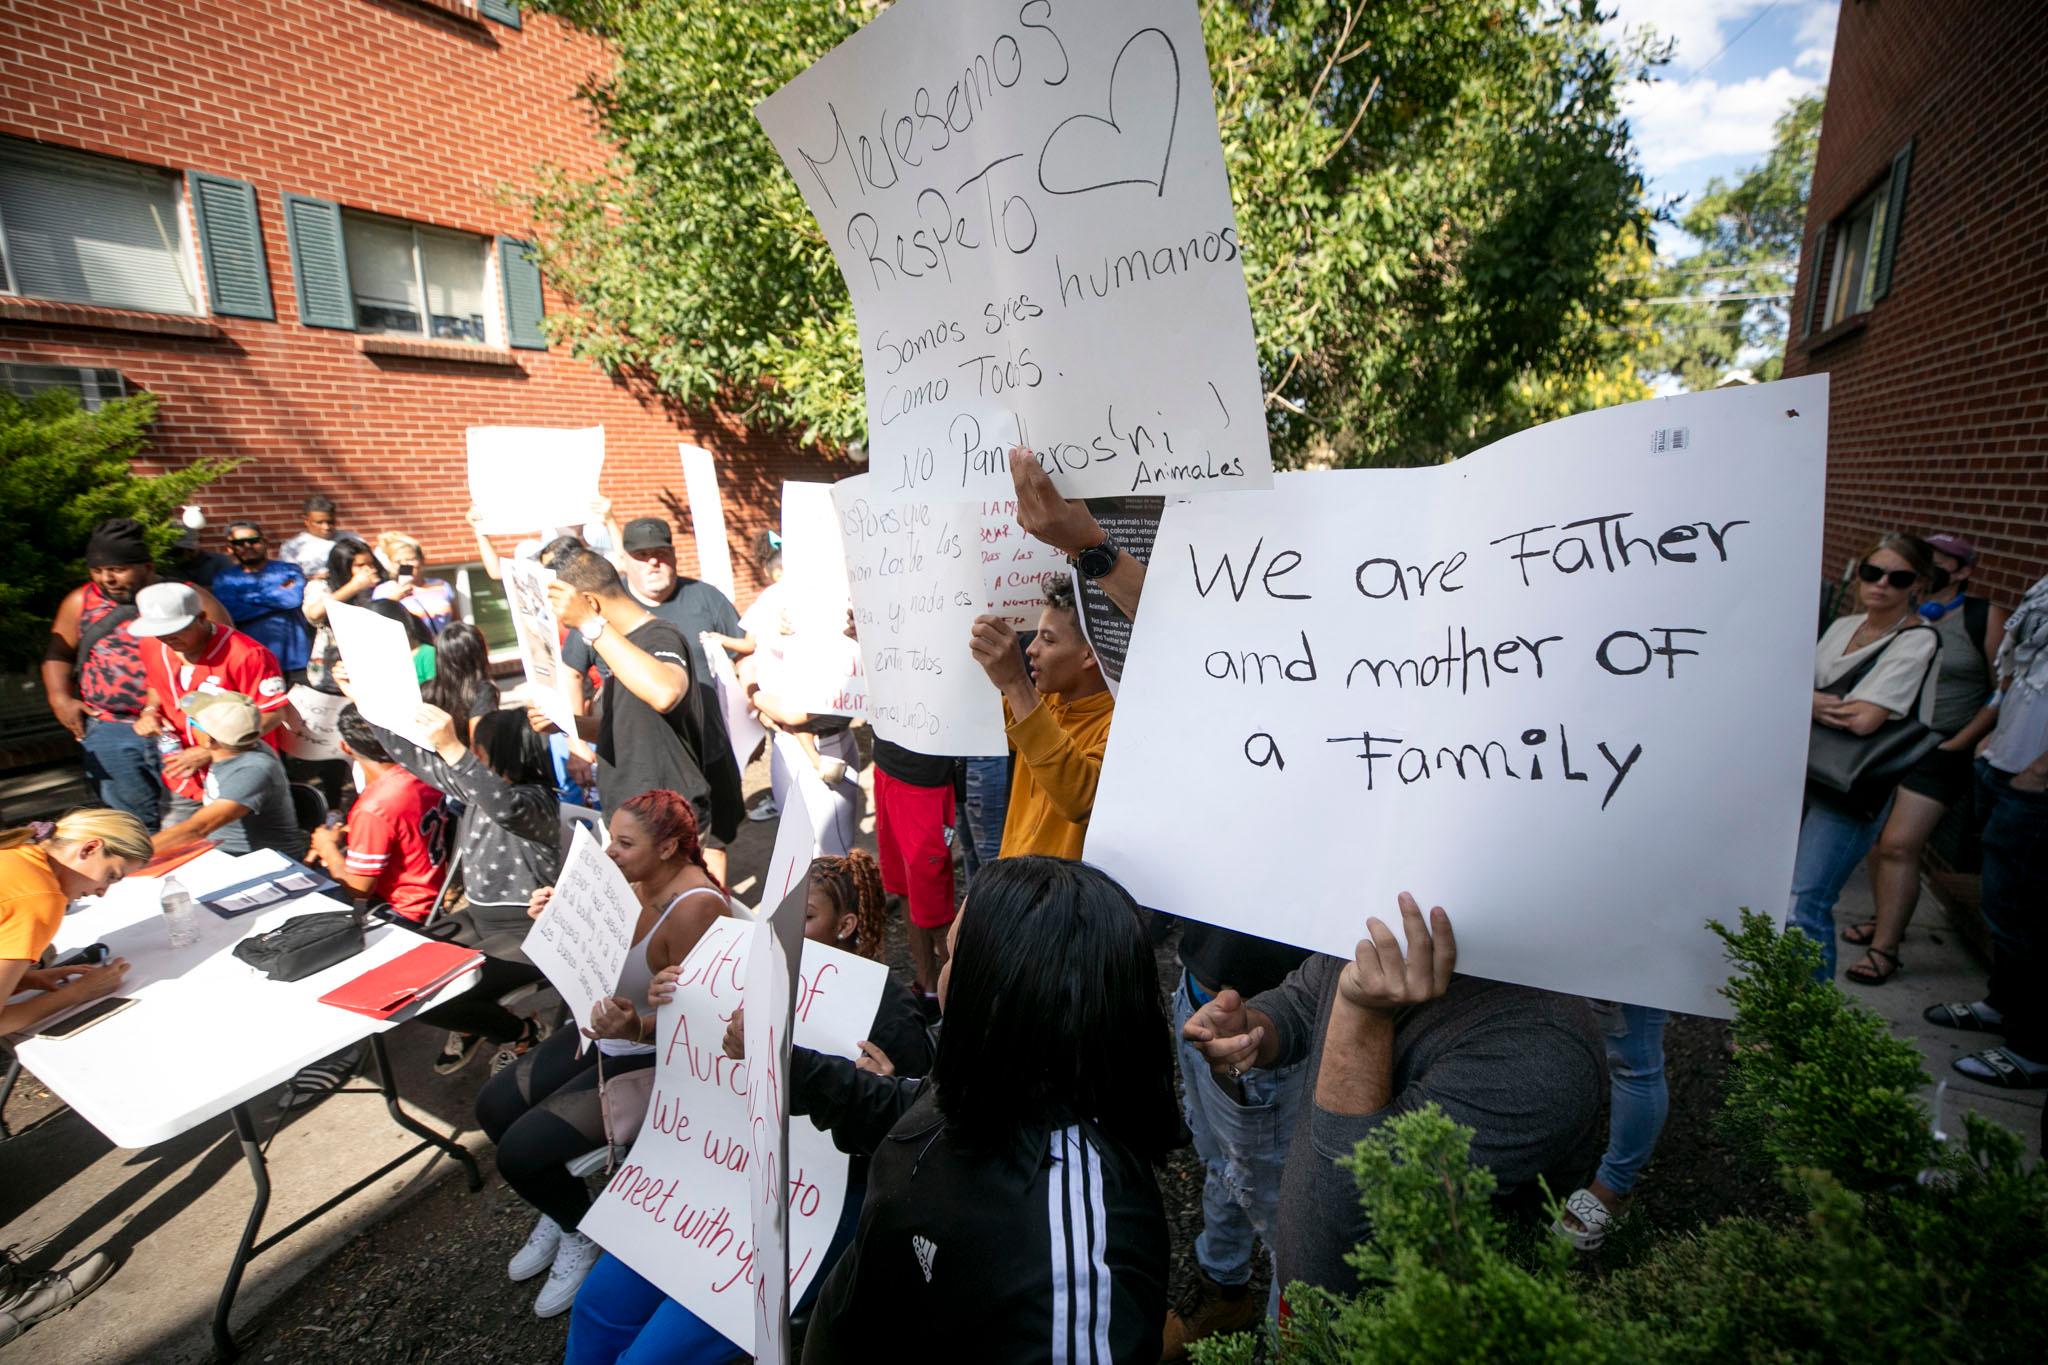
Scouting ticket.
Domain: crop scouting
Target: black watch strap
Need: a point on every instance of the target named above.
(1097, 560)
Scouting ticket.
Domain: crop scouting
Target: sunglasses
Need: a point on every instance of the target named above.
(1901, 579)
(245, 540)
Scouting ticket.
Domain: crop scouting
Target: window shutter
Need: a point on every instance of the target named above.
(1895, 213)
(1814, 286)
(505, 12)
(231, 246)
(519, 274)
(319, 263)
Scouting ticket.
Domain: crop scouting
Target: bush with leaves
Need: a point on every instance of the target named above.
(1905, 1248)
(63, 470)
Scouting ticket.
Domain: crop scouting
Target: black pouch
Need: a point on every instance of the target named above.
(304, 945)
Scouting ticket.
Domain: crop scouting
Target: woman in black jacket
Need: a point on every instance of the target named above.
(1011, 1206)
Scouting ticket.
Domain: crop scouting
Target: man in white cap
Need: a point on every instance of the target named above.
(184, 653)
(248, 798)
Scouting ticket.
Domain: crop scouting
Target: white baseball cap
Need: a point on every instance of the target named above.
(165, 609)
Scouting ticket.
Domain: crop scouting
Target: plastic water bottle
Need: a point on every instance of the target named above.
(181, 914)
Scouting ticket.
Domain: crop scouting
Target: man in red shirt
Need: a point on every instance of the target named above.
(398, 830)
(183, 652)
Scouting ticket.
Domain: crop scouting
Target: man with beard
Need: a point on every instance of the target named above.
(92, 669)
(266, 597)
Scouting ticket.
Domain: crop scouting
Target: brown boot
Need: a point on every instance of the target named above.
(1208, 1309)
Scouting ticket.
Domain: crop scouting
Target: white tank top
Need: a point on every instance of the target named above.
(638, 973)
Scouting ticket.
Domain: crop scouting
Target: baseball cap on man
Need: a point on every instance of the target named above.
(229, 717)
(647, 533)
(1954, 546)
(166, 609)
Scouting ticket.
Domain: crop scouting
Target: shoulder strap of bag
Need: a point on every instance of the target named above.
(99, 630)
(1844, 685)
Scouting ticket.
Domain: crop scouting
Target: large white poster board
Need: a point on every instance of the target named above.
(707, 519)
(583, 935)
(1015, 567)
(377, 653)
(526, 479)
(820, 670)
(677, 1209)
(1560, 687)
(540, 640)
(742, 726)
(310, 724)
(1030, 208)
(774, 955)
(915, 570)
(801, 830)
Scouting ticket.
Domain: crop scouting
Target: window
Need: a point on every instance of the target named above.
(415, 281)
(85, 229)
(1858, 238)
(92, 386)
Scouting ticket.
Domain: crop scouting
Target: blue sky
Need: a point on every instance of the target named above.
(1738, 64)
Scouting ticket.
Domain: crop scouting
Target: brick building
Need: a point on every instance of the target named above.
(297, 222)
(1923, 284)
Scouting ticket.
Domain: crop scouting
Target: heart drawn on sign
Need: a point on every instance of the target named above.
(1090, 152)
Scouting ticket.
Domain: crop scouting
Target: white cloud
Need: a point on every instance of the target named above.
(1676, 122)
(1698, 26)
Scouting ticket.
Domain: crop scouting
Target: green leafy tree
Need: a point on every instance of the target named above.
(63, 470)
(1732, 298)
(1433, 199)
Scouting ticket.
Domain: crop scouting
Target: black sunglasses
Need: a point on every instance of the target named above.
(1901, 579)
(245, 540)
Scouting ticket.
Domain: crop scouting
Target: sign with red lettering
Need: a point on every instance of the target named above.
(678, 1210)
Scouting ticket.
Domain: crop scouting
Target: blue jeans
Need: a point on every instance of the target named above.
(1831, 843)
(2015, 881)
(987, 803)
(125, 769)
(1242, 1148)
(620, 1318)
(1638, 1098)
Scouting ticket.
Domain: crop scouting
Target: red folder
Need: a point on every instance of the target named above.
(383, 991)
(167, 862)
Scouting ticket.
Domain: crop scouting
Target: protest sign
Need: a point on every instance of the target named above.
(1031, 212)
(527, 479)
(820, 669)
(677, 1209)
(583, 935)
(1132, 523)
(742, 726)
(707, 519)
(377, 654)
(309, 731)
(1560, 687)
(540, 640)
(803, 830)
(916, 578)
(1015, 567)
(770, 996)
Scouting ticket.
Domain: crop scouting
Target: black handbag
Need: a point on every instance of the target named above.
(1858, 772)
(304, 944)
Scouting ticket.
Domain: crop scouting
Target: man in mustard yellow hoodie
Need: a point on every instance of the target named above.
(1057, 710)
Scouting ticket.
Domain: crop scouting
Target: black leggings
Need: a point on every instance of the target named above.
(477, 1009)
(543, 1112)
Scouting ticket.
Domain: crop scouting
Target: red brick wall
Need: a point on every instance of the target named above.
(1939, 400)
(392, 107)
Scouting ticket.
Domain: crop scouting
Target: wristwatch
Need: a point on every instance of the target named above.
(1096, 560)
(590, 628)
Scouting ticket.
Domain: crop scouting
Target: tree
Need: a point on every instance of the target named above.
(1732, 299)
(63, 470)
(1433, 199)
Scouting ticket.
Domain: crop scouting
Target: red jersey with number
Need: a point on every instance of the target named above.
(231, 662)
(398, 835)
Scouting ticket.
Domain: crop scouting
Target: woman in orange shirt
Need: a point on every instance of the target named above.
(43, 867)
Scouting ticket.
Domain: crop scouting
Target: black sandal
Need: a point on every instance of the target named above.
(1961, 1016)
(1862, 935)
(1864, 974)
(2002, 1067)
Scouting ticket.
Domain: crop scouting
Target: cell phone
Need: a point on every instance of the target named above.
(87, 1017)
(405, 571)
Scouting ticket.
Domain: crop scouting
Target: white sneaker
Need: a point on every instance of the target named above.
(572, 1262)
(767, 810)
(538, 1253)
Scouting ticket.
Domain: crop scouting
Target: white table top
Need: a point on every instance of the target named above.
(207, 1031)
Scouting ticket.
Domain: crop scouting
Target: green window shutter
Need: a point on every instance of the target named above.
(319, 263)
(519, 275)
(505, 12)
(231, 246)
(1814, 284)
(1894, 215)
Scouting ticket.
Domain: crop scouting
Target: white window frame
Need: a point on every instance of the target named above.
(185, 253)
(493, 326)
(1878, 201)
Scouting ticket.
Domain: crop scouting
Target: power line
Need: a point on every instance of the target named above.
(1701, 69)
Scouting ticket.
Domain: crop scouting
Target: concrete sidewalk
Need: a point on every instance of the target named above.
(1938, 968)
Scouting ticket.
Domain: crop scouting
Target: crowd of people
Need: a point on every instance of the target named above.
(1035, 1182)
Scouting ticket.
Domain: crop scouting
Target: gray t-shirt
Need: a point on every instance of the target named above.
(1524, 1069)
(256, 779)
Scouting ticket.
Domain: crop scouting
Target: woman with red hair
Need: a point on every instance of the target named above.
(547, 1109)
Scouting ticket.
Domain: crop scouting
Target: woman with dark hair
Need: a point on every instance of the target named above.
(462, 684)
(352, 574)
(546, 1109)
(1011, 1201)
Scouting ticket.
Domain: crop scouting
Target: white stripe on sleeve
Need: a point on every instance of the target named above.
(1098, 1263)
(1056, 1224)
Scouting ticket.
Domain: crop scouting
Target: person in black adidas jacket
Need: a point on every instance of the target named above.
(1011, 1209)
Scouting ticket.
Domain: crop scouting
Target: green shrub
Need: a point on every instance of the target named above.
(63, 470)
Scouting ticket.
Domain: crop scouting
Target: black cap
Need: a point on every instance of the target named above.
(118, 541)
(647, 533)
